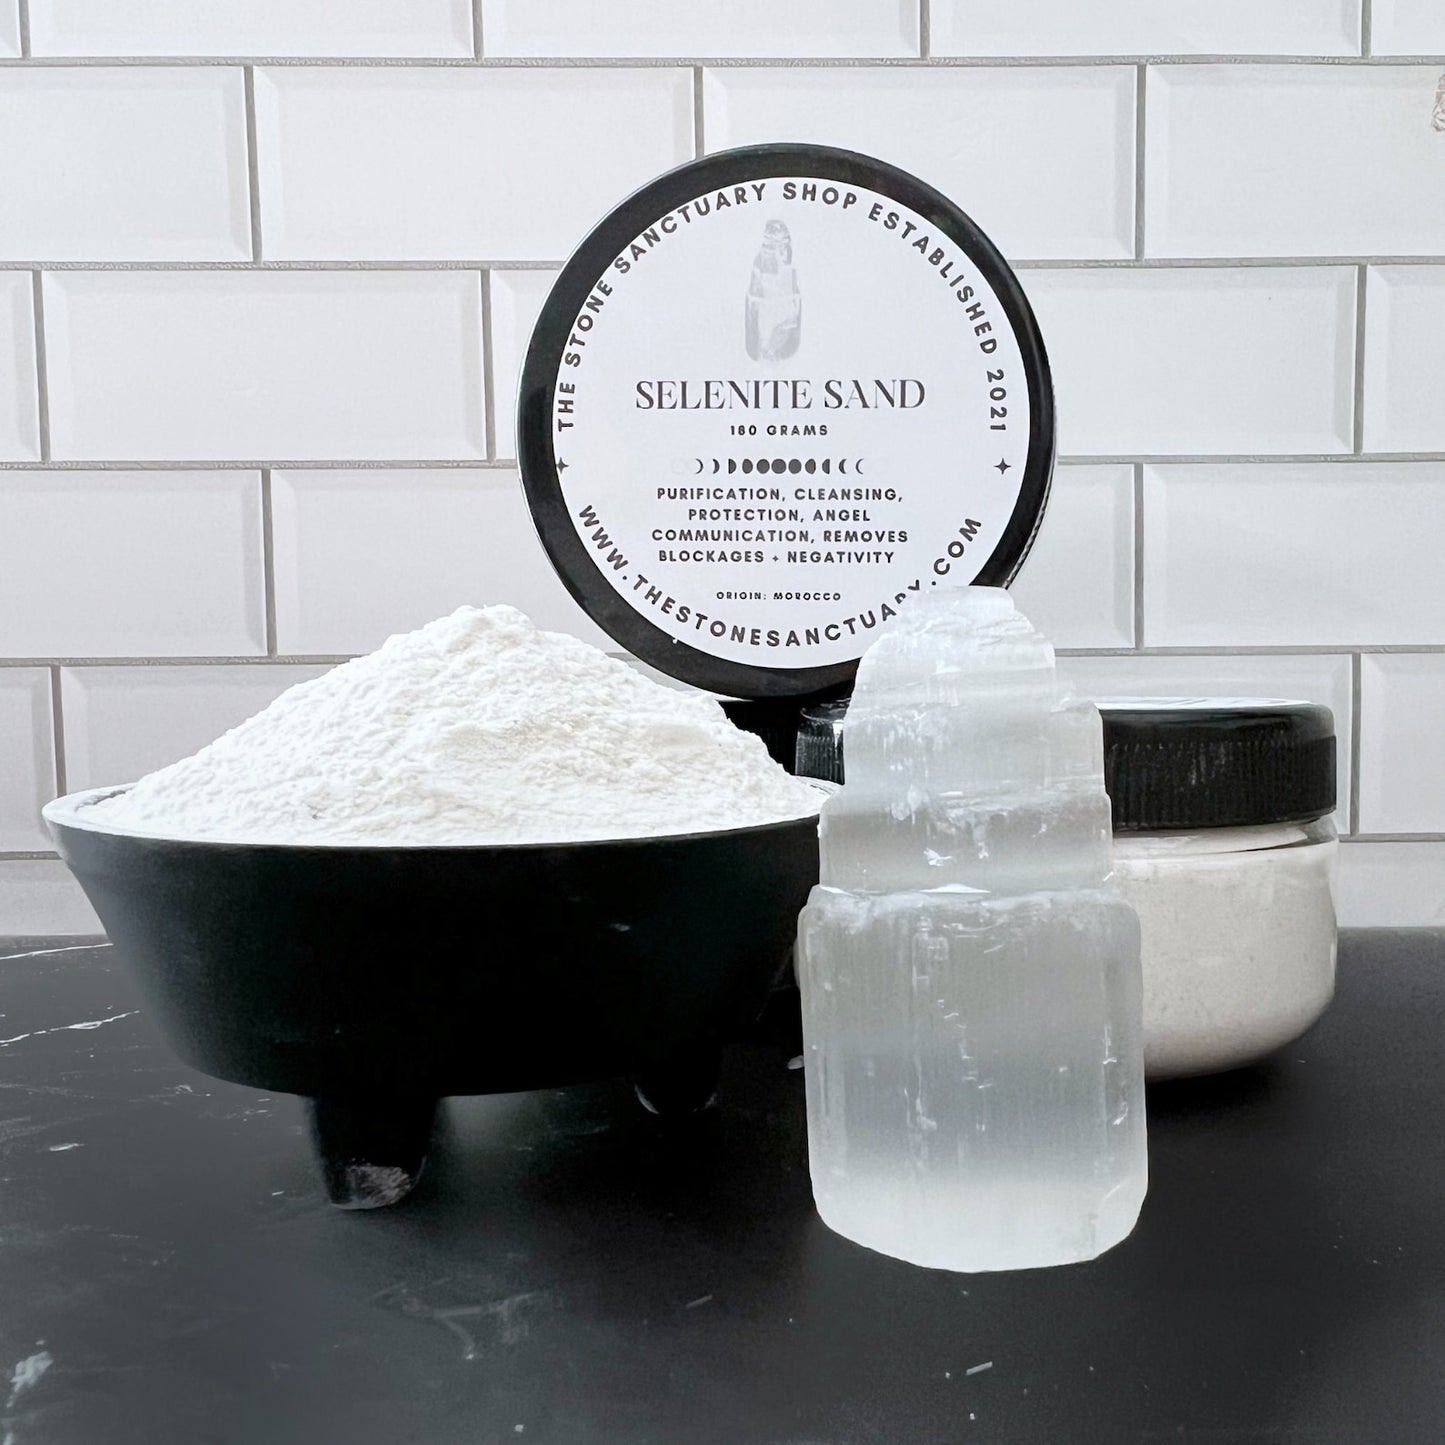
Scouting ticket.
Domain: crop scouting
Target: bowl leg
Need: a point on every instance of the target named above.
(371, 1151)
(682, 1088)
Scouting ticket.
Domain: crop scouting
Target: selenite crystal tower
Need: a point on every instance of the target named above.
(970, 979)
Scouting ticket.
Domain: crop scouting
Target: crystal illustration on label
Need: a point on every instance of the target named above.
(774, 308)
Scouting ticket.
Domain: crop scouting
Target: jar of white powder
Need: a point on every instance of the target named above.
(1224, 847)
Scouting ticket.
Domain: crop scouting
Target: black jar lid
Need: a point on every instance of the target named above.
(1175, 763)
(771, 397)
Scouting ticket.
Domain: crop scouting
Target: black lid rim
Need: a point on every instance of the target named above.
(536, 456)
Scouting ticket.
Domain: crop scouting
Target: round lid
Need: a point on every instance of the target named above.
(1175, 763)
(773, 395)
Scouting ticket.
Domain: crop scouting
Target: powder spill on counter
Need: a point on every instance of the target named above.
(478, 728)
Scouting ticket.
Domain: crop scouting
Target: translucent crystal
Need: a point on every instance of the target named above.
(970, 978)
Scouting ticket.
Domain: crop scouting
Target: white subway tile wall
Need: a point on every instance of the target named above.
(1293, 160)
(27, 745)
(19, 394)
(817, 29)
(1145, 27)
(1077, 583)
(1408, 27)
(116, 564)
(369, 28)
(268, 270)
(273, 365)
(1404, 401)
(132, 163)
(1157, 361)
(456, 164)
(1402, 743)
(517, 297)
(1300, 554)
(1042, 159)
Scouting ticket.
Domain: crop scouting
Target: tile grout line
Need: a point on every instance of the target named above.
(42, 366)
(472, 263)
(1138, 554)
(1367, 29)
(489, 384)
(251, 465)
(1079, 263)
(268, 561)
(500, 463)
(1356, 670)
(731, 62)
(23, 24)
(1361, 292)
(699, 142)
(253, 163)
(477, 29)
(925, 30)
(57, 732)
(1140, 76)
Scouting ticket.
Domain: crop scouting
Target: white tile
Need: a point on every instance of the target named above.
(19, 407)
(251, 27)
(517, 297)
(1203, 361)
(1407, 27)
(361, 555)
(801, 29)
(124, 722)
(1041, 158)
(220, 366)
(130, 564)
(428, 164)
(1391, 885)
(1145, 27)
(1330, 554)
(1293, 160)
(40, 899)
(1314, 677)
(1077, 586)
(9, 27)
(1404, 404)
(1402, 760)
(27, 748)
(124, 163)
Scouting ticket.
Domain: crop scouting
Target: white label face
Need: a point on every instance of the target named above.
(787, 407)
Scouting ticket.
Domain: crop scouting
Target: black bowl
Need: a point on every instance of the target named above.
(376, 980)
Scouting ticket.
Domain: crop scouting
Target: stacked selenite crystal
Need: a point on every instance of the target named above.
(970, 979)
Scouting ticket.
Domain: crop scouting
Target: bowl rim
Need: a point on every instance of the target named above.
(66, 812)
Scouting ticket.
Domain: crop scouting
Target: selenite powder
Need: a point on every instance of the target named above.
(478, 728)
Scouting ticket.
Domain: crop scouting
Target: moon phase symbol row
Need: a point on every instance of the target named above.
(811, 466)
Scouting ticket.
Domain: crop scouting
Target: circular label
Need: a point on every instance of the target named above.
(775, 396)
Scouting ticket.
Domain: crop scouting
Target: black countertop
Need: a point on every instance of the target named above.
(571, 1270)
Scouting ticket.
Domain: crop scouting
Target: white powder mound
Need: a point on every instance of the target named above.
(478, 728)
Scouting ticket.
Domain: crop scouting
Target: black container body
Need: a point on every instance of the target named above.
(435, 971)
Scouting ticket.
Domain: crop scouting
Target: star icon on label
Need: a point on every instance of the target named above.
(1002, 467)
(561, 465)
